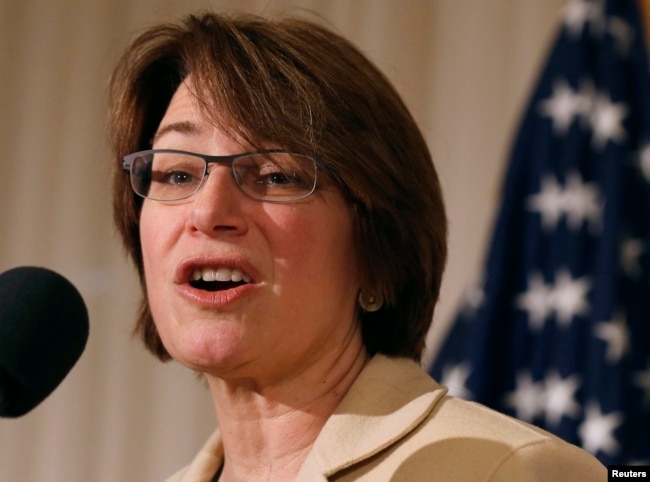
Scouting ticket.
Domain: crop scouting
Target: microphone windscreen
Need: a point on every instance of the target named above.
(43, 331)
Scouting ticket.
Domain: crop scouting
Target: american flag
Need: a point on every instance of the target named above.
(557, 332)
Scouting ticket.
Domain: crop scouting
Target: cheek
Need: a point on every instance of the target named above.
(149, 234)
(317, 243)
(149, 246)
(159, 227)
(156, 240)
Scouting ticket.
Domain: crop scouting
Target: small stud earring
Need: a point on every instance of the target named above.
(370, 302)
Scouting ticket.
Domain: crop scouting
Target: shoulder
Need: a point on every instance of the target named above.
(468, 436)
(399, 424)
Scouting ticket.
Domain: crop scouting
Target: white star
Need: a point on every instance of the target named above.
(455, 377)
(631, 251)
(562, 107)
(606, 120)
(527, 397)
(549, 202)
(622, 34)
(473, 299)
(577, 14)
(567, 298)
(596, 431)
(537, 301)
(617, 337)
(581, 202)
(570, 296)
(559, 398)
(642, 380)
(644, 161)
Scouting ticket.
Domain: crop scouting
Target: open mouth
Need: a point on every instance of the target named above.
(218, 279)
(215, 285)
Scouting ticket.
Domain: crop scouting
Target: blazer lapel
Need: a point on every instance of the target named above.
(388, 400)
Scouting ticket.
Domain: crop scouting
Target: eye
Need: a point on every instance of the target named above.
(272, 175)
(275, 176)
(177, 178)
(177, 170)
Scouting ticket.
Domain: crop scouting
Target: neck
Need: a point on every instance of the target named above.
(268, 430)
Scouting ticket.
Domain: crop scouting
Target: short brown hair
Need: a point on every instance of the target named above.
(298, 85)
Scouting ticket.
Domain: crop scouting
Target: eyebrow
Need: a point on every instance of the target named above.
(184, 127)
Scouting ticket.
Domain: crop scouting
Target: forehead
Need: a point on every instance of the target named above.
(182, 113)
(187, 119)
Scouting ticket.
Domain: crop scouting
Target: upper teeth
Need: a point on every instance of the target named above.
(220, 274)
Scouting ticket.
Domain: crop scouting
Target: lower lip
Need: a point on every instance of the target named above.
(216, 299)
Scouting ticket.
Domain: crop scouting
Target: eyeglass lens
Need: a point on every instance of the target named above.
(273, 176)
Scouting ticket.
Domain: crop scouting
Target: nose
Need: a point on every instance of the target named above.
(217, 206)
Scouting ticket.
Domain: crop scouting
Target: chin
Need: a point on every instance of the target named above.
(204, 350)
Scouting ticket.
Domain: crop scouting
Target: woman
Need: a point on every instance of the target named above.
(287, 224)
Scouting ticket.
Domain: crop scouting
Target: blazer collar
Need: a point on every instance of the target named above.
(389, 399)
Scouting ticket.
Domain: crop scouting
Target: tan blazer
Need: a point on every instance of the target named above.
(397, 424)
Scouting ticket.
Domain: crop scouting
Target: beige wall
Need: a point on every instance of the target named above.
(464, 68)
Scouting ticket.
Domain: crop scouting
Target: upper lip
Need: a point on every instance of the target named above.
(187, 267)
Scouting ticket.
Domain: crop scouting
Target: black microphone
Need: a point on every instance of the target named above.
(43, 331)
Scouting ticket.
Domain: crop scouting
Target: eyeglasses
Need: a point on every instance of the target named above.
(173, 175)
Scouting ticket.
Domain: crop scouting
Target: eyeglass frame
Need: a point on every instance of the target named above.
(211, 159)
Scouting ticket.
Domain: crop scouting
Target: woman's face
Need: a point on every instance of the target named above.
(298, 258)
